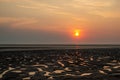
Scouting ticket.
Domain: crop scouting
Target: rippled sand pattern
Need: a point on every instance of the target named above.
(80, 64)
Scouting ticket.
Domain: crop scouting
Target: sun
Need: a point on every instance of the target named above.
(77, 33)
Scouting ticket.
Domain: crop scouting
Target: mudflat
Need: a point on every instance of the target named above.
(60, 64)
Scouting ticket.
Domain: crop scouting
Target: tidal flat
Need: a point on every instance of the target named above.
(60, 64)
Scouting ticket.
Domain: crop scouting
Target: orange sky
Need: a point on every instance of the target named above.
(54, 21)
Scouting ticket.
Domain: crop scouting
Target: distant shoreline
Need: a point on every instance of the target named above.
(59, 44)
(30, 47)
(15, 49)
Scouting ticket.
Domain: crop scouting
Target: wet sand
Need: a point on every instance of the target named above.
(61, 64)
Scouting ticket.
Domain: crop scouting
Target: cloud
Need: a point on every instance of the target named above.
(7, 19)
(75, 9)
(18, 23)
(12, 0)
(29, 7)
(35, 24)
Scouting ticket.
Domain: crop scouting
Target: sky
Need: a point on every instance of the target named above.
(54, 21)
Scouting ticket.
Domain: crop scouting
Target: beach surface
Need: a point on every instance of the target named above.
(60, 64)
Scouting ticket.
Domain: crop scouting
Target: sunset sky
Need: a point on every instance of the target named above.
(55, 21)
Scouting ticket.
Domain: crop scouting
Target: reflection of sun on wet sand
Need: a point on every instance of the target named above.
(86, 64)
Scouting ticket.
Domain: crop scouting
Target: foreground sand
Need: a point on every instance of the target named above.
(68, 64)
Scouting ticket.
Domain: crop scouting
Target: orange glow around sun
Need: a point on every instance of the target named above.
(77, 33)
